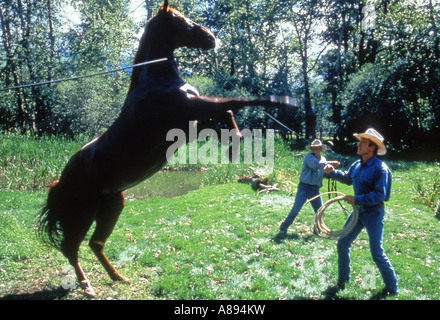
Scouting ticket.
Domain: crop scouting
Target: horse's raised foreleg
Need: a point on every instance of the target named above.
(106, 218)
(209, 106)
(232, 124)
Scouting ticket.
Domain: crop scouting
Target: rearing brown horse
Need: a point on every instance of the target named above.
(134, 147)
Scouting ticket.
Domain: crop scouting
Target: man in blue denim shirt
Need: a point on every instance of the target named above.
(310, 181)
(371, 180)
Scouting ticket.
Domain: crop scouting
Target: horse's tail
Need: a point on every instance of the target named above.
(50, 220)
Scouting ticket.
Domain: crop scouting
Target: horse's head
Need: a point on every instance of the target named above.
(181, 31)
(165, 32)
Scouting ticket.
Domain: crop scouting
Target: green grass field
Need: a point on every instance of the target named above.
(208, 237)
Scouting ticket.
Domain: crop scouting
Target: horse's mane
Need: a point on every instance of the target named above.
(143, 47)
(139, 56)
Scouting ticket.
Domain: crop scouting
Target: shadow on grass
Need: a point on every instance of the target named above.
(331, 293)
(279, 238)
(45, 294)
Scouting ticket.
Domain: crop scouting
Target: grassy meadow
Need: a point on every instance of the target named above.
(196, 233)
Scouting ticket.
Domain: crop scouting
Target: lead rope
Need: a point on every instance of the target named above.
(333, 188)
(84, 76)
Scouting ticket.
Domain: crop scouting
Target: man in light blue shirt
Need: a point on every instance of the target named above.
(371, 180)
(310, 181)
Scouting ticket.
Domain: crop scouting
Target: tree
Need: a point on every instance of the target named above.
(305, 17)
(29, 44)
(10, 71)
(337, 63)
(397, 90)
(103, 40)
(410, 39)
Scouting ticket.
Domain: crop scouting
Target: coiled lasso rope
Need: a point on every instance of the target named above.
(320, 228)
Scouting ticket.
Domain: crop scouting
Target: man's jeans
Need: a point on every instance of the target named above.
(305, 192)
(373, 222)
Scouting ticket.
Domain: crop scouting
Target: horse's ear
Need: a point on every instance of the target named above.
(165, 6)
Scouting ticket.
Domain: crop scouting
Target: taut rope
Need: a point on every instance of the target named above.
(83, 76)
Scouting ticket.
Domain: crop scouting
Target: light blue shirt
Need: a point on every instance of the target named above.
(313, 170)
(371, 181)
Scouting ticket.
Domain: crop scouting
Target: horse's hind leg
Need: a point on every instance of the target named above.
(75, 229)
(110, 208)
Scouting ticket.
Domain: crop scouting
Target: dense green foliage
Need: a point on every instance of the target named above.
(351, 64)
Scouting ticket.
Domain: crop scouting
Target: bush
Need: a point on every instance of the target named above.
(427, 187)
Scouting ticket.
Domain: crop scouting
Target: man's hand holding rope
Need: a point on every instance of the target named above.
(349, 199)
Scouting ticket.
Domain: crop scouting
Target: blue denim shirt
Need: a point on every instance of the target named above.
(313, 170)
(371, 182)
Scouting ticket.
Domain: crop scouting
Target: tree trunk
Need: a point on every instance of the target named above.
(13, 69)
(310, 114)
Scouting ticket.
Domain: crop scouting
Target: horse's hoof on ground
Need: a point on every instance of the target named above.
(122, 279)
(117, 277)
(87, 287)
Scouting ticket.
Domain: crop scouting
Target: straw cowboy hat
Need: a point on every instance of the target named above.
(317, 143)
(374, 136)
